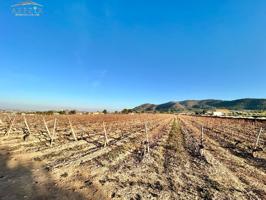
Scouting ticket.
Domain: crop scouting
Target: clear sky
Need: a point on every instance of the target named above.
(120, 53)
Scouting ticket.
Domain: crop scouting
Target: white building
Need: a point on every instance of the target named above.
(217, 113)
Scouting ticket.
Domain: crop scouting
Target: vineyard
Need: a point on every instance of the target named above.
(232, 156)
(134, 157)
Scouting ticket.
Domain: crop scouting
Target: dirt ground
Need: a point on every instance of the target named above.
(177, 166)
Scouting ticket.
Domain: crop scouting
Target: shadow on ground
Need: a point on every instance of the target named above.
(19, 180)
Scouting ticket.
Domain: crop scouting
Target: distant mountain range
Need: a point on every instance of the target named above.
(239, 104)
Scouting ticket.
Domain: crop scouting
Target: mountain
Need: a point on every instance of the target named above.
(172, 105)
(239, 104)
(145, 107)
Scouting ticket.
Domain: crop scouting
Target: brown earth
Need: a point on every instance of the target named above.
(178, 165)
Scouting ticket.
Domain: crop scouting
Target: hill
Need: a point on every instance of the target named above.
(239, 104)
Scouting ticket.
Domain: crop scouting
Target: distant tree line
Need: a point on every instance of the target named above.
(105, 111)
(52, 112)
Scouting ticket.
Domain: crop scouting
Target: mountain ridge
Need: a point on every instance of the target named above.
(238, 104)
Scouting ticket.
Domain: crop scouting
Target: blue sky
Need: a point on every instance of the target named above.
(113, 54)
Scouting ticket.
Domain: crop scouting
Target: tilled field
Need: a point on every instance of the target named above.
(177, 161)
(231, 167)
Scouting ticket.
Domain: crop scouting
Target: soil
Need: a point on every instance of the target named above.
(178, 164)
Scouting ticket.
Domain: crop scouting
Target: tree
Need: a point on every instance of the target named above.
(62, 112)
(130, 110)
(104, 111)
(124, 111)
(72, 112)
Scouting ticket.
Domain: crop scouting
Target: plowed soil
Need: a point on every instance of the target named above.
(184, 157)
